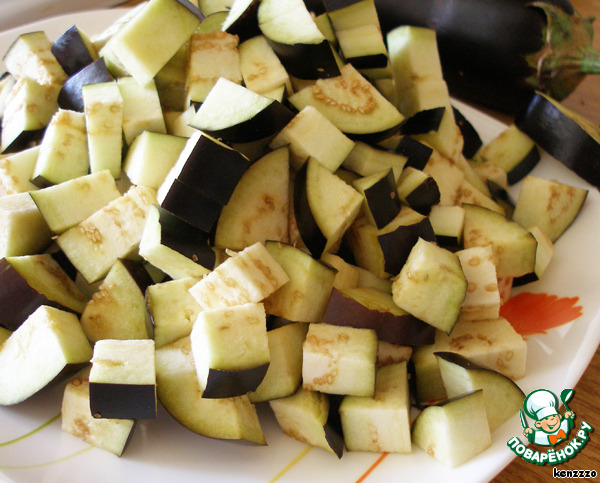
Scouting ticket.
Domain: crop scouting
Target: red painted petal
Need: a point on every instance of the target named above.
(535, 313)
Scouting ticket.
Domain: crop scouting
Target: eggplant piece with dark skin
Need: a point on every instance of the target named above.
(549, 47)
(210, 168)
(369, 309)
(418, 154)
(239, 126)
(22, 293)
(423, 121)
(472, 141)
(191, 206)
(304, 52)
(186, 239)
(223, 384)
(397, 244)
(71, 51)
(245, 25)
(122, 380)
(572, 140)
(381, 197)
(70, 96)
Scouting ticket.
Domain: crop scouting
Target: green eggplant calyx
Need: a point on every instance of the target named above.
(568, 55)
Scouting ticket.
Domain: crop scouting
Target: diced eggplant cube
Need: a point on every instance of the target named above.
(513, 245)
(381, 201)
(118, 309)
(151, 156)
(109, 434)
(304, 297)
(109, 233)
(210, 167)
(482, 300)
(339, 360)
(24, 230)
(258, 209)
(238, 115)
(463, 423)
(231, 350)
(368, 308)
(147, 42)
(29, 281)
(491, 343)
(284, 375)
(549, 204)
(30, 56)
(73, 50)
(103, 108)
(68, 203)
(29, 108)
(123, 379)
(70, 96)
(64, 152)
(181, 394)
(431, 285)
(310, 134)
(141, 108)
(306, 416)
(44, 347)
(212, 55)
(248, 276)
(16, 171)
(172, 309)
(382, 422)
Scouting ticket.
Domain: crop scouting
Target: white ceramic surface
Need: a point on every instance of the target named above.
(162, 450)
(18, 12)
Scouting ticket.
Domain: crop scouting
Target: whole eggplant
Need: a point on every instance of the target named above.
(497, 52)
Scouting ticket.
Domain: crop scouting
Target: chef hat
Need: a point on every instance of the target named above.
(540, 404)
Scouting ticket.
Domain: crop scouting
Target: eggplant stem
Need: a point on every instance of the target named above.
(568, 55)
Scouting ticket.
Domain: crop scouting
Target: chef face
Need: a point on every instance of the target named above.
(549, 424)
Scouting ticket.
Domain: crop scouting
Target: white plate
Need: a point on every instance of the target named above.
(161, 450)
(17, 12)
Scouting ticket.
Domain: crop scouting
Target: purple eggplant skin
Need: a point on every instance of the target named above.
(122, 401)
(397, 244)
(24, 140)
(310, 233)
(138, 273)
(423, 122)
(417, 153)
(368, 61)
(333, 425)
(70, 96)
(71, 52)
(192, 8)
(424, 196)
(191, 206)
(186, 239)
(472, 140)
(502, 197)
(396, 329)
(562, 137)
(213, 170)
(496, 52)
(246, 25)
(17, 298)
(264, 124)
(223, 384)
(307, 61)
(383, 200)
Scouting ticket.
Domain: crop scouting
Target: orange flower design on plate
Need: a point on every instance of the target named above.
(535, 313)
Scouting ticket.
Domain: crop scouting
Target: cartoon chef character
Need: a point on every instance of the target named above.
(551, 426)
